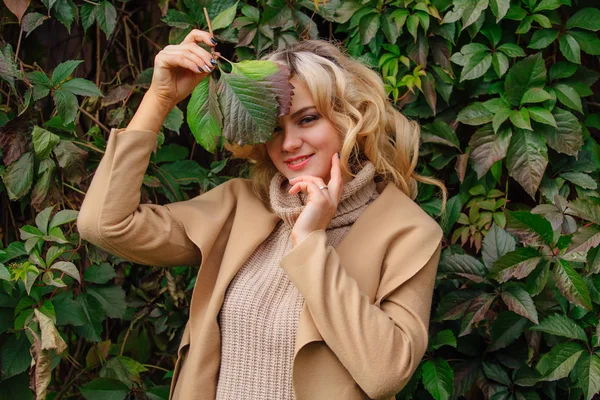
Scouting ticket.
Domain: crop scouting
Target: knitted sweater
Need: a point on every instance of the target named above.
(260, 313)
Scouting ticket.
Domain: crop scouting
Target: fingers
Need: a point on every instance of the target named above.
(196, 35)
(189, 56)
(307, 178)
(336, 183)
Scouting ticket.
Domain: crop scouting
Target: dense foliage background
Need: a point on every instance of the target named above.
(505, 91)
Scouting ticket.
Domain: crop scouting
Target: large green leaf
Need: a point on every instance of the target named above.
(463, 265)
(505, 330)
(475, 114)
(66, 105)
(529, 227)
(18, 176)
(527, 159)
(496, 244)
(68, 311)
(224, 18)
(15, 355)
(571, 284)
(204, 116)
(588, 374)
(101, 273)
(561, 325)
(499, 8)
(559, 362)
(477, 311)
(570, 48)
(568, 96)
(106, 15)
(525, 74)
(488, 147)
(440, 133)
(496, 373)
(586, 18)
(81, 87)
(43, 141)
(112, 299)
(543, 38)
(515, 264)
(438, 378)
(104, 389)
(519, 301)
(567, 137)
(64, 70)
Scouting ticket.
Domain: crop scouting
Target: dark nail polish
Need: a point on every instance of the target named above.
(213, 62)
(200, 69)
(339, 157)
(213, 41)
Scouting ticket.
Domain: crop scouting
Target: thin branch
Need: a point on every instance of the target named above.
(90, 116)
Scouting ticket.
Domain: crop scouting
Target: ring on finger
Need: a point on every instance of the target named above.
(323, 187)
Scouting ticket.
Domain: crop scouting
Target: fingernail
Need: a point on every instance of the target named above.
(207, 68)
(213, 62)
(213, 41)
(200, 69)
(339, 157)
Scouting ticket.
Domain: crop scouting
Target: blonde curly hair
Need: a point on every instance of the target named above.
(352, 97)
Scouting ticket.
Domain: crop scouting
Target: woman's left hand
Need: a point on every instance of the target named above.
(321, 204)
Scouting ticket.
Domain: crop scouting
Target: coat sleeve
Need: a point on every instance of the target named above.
(112, 218)
(380, 344)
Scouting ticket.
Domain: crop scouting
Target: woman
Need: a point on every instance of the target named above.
(317, 275)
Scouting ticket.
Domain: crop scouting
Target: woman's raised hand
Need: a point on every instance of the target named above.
(179, 68)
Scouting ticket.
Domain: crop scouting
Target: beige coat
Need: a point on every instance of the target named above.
(363, 326)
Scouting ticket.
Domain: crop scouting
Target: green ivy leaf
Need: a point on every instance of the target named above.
(440, 133)
(204, 115)
(587, 18)
(15, 355)
(499, 8)
(525, 74)
(68, 311)
(500, 63)
(66, 105)
(64, 70)
(524, 224)
(111, 298)
(64, 13)
(475, 114)
(561, 325)
(580, 179)
(568, 96)
(562, 70)
(527, 159)
(81, 87)
(571, 284)
(224, 18)
(174, 119)
(62, 217)
(548, 5)
(567, 137)
(101, 273)
(570, 48)
(535, 95)
(588, 374)
(463, 265)
(43, 141)
(584, 208)
(520, 118)
(511, 50)
(505, 330)
(559, 362)
(105, 389)
(588, 42)
(541, 115)
(496, 373)
(106, 15)
(18, 176)
(438, 378)
(68, 268)
(443, 338)
(519, 301)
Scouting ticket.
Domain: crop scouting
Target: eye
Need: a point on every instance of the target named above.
(308, 119)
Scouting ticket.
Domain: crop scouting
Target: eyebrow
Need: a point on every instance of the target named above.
(300, 111)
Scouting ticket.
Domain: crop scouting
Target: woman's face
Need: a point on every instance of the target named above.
(304, 142)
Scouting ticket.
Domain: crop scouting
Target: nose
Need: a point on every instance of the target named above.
(291, 141)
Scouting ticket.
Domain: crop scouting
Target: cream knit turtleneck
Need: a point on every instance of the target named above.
(260, 312)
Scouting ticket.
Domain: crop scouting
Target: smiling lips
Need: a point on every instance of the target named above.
(298, 162)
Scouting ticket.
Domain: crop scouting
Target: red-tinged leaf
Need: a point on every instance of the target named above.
(17, 7)
(477, 312)
(463, 265)
(529, 227)
(488, 148)
(516, 264)
(584, 239)
(13, 140)
(454, 304)
(571, 284)
(519, 301)
(559, 362)
(586, 209)
(567, 137)
(428, 90)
